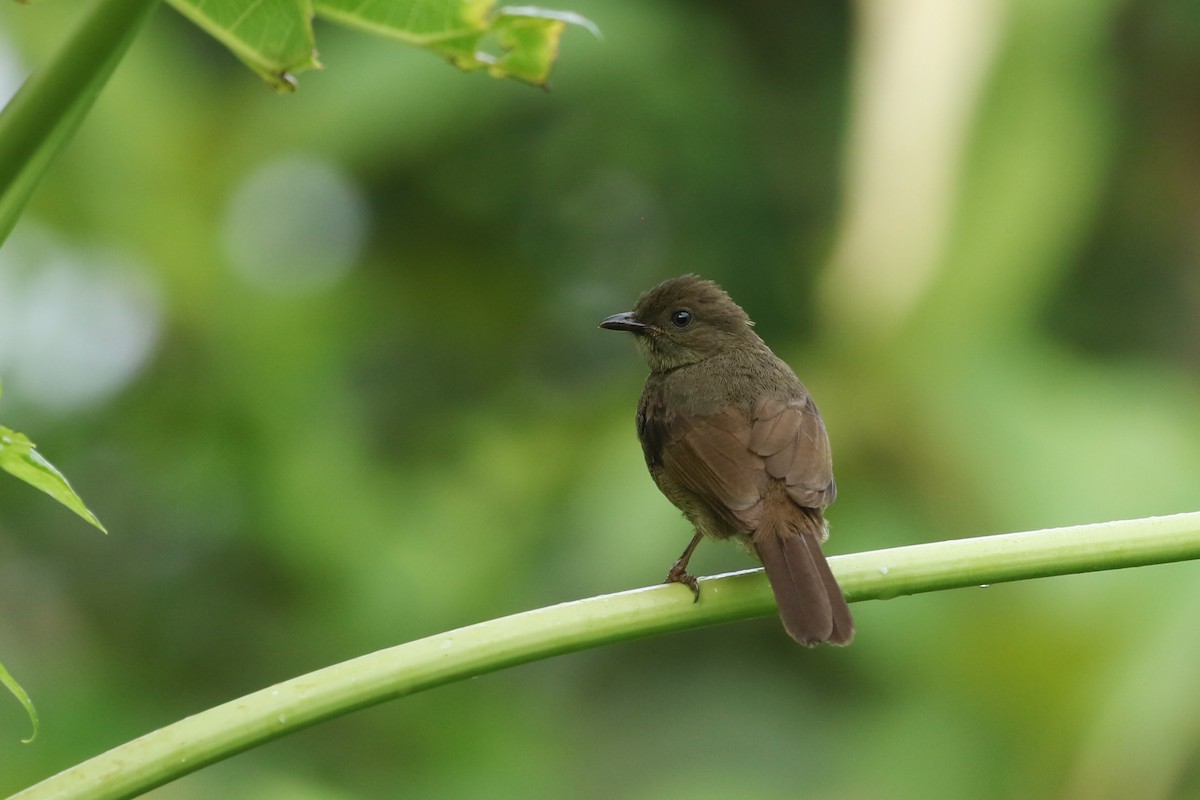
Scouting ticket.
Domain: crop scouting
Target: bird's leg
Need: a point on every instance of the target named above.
(678, 572)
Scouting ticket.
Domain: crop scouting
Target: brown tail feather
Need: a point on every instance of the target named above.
(810, 601)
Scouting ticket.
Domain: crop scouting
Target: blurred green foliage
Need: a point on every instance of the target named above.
(410, 422)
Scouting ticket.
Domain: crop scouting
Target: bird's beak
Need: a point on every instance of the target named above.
(625, 321)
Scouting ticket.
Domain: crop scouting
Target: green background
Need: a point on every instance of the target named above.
(326, 365)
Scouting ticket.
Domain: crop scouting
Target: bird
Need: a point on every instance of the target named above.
(734, 440)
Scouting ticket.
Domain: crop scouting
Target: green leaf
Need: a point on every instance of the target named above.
(11, 684)
(44, 114)
(272, 37)
(20, 458)
(275, 37)
(461, 30)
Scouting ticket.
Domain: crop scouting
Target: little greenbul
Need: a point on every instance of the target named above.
(734, 440)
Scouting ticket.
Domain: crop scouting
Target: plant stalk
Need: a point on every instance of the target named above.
(215, 734)
(43, 115)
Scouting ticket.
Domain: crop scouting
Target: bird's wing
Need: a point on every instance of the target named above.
(790, 437)
(710, 457)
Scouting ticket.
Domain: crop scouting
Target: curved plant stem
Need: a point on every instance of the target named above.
(209, 736)
(41, 118)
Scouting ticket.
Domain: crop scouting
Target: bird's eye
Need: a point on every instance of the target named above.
(681, 318)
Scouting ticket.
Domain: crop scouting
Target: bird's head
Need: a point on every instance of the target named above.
(682, 321)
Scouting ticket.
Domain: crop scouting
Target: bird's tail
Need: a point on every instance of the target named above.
(811, 604)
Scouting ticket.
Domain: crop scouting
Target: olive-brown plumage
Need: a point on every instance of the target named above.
(734, 440)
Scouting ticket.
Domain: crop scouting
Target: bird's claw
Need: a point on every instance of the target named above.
(680, 575)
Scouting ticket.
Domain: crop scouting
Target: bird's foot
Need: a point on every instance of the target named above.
(679, 574)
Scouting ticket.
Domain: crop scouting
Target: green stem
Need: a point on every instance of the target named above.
(218, 733)
(41, 118)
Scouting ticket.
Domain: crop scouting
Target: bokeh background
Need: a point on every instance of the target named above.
(327, 367)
